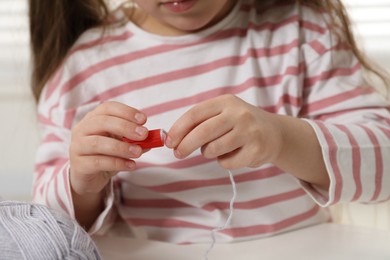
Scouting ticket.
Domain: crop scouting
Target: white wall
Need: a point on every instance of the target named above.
(18, 142)
(18, 135)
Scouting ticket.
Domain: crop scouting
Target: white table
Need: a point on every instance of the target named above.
(321, 242)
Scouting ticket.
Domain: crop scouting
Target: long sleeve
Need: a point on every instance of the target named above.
(51, 184)
(352, 123)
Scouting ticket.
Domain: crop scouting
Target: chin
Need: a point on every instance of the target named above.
(189, 26)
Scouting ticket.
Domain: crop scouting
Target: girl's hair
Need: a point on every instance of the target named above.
(339, 19)
(55, 25)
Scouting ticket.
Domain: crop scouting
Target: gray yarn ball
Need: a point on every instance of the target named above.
(35, 232)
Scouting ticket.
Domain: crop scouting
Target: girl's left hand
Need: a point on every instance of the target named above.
(230, 130)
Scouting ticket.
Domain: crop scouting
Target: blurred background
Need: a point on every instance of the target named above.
(19, 134)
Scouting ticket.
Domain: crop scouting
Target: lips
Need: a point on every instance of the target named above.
(179, 6)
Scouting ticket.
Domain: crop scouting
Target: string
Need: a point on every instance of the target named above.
(229, 219)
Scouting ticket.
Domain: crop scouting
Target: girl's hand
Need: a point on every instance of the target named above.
(229, 129)
(96, 153)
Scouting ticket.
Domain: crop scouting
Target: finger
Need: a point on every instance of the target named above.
(223, 145)
(108, 175)
(101, 145)
(208, 131)
(238, 159)
(229, 160)
(103, 125)
(100, 163)
(120, 110)
(189, 120)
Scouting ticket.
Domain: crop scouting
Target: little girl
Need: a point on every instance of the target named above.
(272, 90)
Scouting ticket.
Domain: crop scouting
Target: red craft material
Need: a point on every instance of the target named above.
(156, 138)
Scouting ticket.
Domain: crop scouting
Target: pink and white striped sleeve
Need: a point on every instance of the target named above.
(51, 185)
(352, 123)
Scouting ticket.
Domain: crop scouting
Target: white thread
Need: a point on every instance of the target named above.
(229, 219)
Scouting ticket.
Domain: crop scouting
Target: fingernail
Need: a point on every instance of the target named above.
(135, 150)
(177, 154)
(140, 117)
(141, 130)
(130, 165)
(168, 142)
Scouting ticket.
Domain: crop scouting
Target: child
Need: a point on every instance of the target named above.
(272, 90)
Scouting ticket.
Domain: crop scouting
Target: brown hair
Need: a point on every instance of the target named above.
(339, 19)
(55, 25)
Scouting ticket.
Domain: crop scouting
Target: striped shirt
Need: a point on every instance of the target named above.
(281, 59)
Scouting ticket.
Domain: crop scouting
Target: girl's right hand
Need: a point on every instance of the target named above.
(96, 151)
